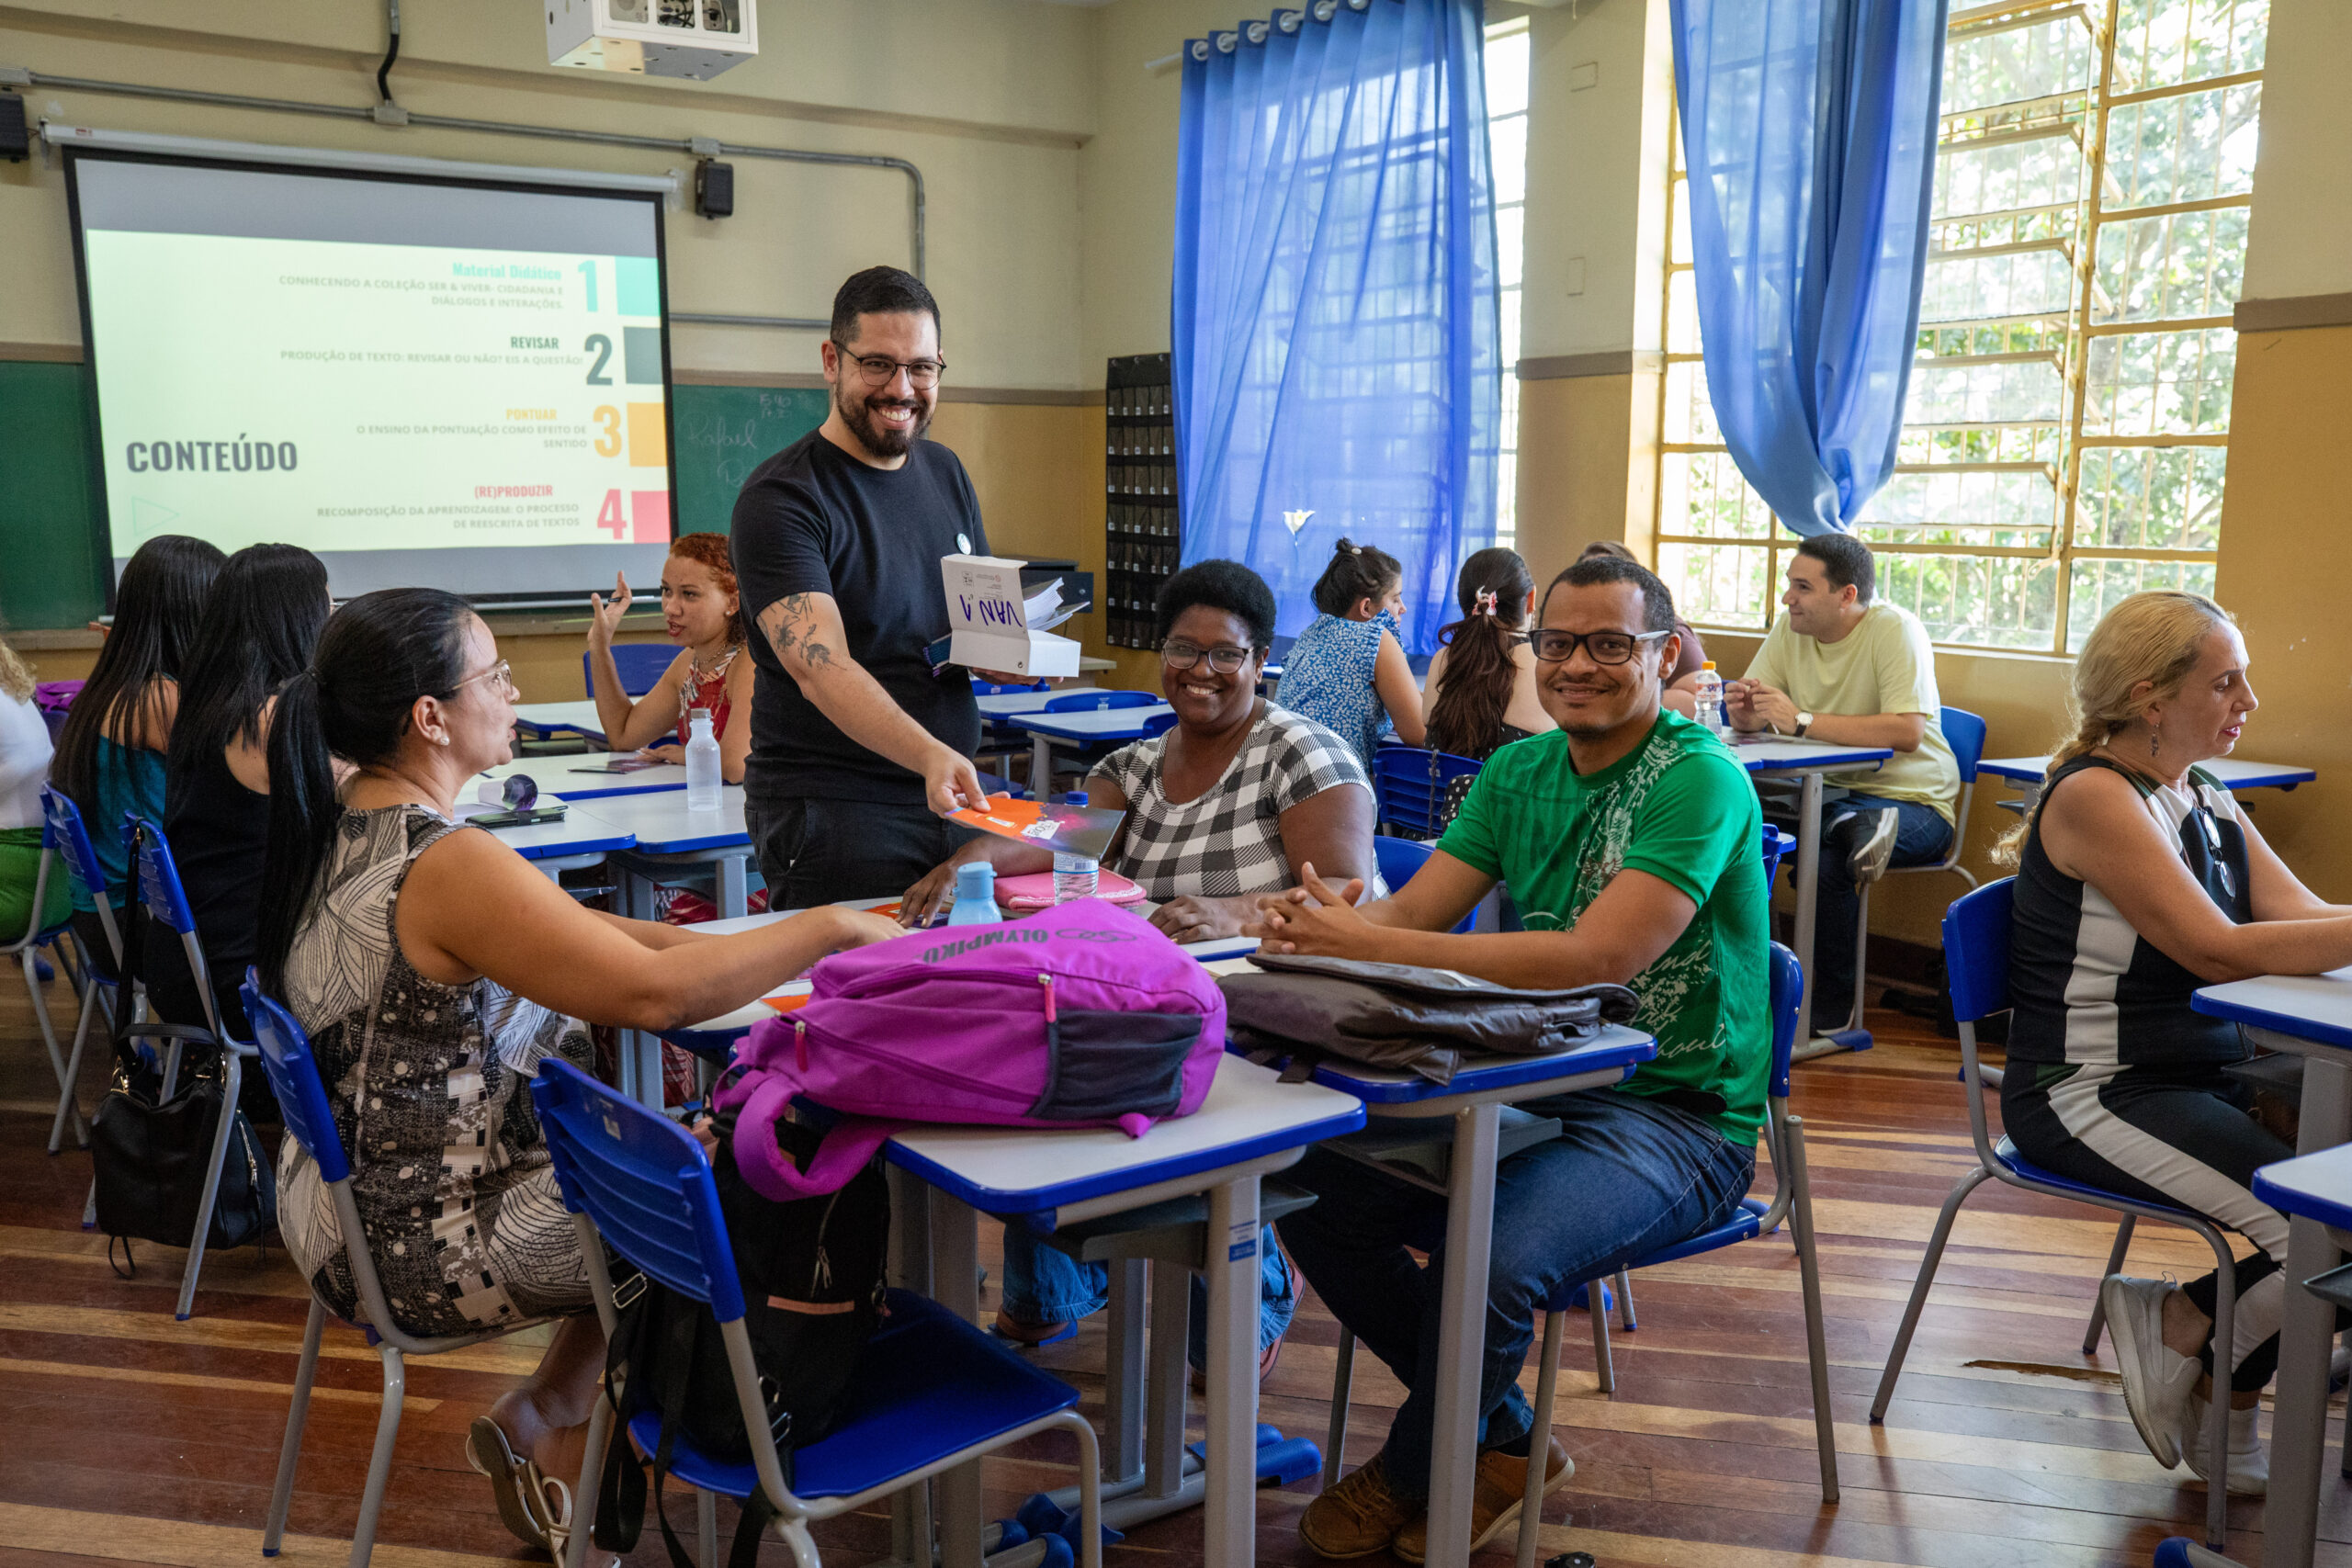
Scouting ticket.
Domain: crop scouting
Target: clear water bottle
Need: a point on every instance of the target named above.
(702, 762)
(975, 895)
(1711, 700)
(1075, 876)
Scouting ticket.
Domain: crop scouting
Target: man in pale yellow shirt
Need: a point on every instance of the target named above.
(1842, 667)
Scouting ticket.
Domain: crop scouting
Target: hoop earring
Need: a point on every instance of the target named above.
(2152, 745)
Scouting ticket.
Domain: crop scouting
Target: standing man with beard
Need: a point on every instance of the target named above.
(858, 750)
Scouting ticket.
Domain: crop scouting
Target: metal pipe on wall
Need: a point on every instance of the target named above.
(547, 132)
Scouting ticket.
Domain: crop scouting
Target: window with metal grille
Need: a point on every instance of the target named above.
(2067, 435)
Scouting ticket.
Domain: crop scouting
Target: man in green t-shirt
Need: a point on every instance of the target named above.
(1845, 667)
(1629, 838)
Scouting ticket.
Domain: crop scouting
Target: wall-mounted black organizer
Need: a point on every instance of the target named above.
(1139, 494)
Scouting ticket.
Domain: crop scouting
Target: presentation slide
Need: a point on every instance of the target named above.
(424, 382)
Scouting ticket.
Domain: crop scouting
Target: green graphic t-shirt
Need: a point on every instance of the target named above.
(1679, 807)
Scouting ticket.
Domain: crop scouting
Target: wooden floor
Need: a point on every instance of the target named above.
(129, 1439)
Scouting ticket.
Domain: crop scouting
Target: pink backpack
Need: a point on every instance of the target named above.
(1082, 1015)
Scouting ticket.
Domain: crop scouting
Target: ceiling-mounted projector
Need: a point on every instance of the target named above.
(693, 39)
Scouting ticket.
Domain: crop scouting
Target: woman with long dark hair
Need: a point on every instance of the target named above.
(434, 970)
(1481, 692)
(262, 621)
(111, 753)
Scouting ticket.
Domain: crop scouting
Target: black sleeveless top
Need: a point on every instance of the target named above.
(2089, 989)
(219, 834)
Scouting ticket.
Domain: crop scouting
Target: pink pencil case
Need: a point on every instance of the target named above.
(1035, 890)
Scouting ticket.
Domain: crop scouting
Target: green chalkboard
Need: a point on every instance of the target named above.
(53, 572)
(723, 432)
(52, 562)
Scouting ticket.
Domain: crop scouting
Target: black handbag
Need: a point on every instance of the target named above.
(150, 1155)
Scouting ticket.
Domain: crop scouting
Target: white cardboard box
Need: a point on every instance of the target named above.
(990, 623)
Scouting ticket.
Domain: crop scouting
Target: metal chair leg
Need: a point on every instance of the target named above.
(1335, 1442)
(56, 1057)
(583, 1491)
(1942, 1233)
(797, 1539)
(2217, 1414)
(290, 1452)
(1625, 1301)
(1817, 1340)
(1539, 1440)
(706, 1526)
(69, 1077)
(211, 1181)
(379, 1462)
(1604, 1367)
(2098, 1298)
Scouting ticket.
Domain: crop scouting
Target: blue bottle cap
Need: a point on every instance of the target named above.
(1075, 797)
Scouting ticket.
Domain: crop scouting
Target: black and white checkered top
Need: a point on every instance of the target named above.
(1228, 841)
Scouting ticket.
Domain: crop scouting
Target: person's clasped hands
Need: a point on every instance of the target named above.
(1314, 919)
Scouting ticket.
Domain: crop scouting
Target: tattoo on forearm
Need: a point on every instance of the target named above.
(790, 622)
(817, 653)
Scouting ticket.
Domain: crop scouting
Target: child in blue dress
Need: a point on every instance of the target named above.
(1347, 670)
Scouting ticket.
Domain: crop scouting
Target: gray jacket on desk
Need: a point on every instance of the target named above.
(1403, 1016)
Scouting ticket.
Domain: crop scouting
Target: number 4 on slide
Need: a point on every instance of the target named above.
(645, 521)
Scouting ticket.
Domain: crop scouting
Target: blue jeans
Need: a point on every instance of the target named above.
(1625, 1176)
(1043, 1284)
(1921, 836)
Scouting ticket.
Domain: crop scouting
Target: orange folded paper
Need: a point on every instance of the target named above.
(1080, 829)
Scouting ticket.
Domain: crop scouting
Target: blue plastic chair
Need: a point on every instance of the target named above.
(1409, 785)
(642, 666)
(1398, 858)
(1965, 732)
(158, 880)
(284, 1052)
(1157, 725)
(995, 689)
(1976, 958)
(26, 948)
(932, 1392)
(1778, 847)
(2179, 1551)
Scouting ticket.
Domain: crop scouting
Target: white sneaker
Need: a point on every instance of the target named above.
(2157, 1379)
(2249, 1460)
(1868, 861)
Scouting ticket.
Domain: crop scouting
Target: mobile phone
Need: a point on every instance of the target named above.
(518, 818)
(626, 765)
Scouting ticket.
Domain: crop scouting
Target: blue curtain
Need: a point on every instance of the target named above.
(1334, 310)
(1809, 128)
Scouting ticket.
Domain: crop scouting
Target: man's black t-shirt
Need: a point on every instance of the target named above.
(814, 520)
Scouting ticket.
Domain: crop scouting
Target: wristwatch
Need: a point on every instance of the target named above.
(1805, 722)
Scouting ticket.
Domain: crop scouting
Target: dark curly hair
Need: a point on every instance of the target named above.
(1224, 585)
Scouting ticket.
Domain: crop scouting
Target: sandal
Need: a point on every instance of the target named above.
(1032, 1336)
(491, 1455)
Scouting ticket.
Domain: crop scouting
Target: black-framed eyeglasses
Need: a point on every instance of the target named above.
(1225, 658)
(880, 369)
(1603, 648)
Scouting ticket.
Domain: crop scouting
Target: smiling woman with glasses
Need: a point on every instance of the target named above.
(1229, 804)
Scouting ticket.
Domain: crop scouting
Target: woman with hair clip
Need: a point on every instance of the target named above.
(2138, 881)
(1347, 671)
(1481, 692)
(111, 753)
(700, 608)
(434, 970)
(259, 626)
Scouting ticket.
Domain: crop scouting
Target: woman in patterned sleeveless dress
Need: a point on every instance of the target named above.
(435, 969)
(1347, 671)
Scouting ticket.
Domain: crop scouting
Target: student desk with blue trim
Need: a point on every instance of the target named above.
(540, 721)
(1078, 727)
(578, 778)
(2026, 773)
(1808, 761)
(2309, 1015)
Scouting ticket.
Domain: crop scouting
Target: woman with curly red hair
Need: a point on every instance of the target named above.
(700, 608)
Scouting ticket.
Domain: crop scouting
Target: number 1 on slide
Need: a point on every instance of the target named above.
(588, 271)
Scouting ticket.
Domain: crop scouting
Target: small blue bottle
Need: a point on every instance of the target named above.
(975, 895)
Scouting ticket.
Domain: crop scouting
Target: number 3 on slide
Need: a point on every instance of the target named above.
(608, 445)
